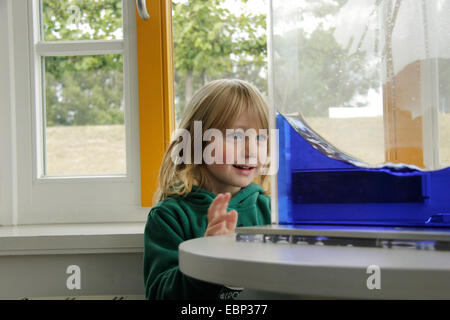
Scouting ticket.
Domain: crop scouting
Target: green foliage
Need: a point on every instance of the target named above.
(313, 72)
(324, 74)
(444, 85)
(210, 42)
(83, 90)
(81, 19)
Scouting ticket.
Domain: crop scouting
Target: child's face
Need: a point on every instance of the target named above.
(229, 178)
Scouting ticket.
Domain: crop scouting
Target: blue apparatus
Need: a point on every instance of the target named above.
(359, 91)
(317, 184)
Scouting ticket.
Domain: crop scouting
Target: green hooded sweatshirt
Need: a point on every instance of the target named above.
(177, 219)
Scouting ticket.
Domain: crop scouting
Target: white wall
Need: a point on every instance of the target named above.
(8, 183)
(44, 276)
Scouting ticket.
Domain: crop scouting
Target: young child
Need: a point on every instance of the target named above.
(200, 200)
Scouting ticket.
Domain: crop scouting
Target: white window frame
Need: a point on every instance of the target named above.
(38, 199)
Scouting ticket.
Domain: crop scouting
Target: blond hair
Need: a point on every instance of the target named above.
(217, 105)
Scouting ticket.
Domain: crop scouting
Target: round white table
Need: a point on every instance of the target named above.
(301, 271)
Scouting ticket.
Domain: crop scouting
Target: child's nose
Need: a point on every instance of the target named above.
(251, 147)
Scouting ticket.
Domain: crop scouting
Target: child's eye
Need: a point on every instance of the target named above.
(261, 138)
(236, 136)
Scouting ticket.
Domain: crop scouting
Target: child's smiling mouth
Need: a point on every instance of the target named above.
(246, 170)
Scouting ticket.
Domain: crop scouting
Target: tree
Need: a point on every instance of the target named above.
(312, 70)
(211, 42)
(82, 90)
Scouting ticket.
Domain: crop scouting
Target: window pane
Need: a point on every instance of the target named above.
(218, 39)
(369, 76)
(81, 20)
(84, 109)
(444, 111)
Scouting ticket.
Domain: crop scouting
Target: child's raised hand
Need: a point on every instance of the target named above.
(221, 222)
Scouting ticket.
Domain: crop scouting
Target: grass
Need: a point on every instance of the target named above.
(444, 138)
(363, 138)
(88, 150)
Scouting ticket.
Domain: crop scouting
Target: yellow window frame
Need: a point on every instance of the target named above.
(155, 78)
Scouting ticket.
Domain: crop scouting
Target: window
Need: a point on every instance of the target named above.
(60, 50)
(218, 39)
(193, 42)
(82, 95)
(223, 39)
(369, 76)
(77, 115)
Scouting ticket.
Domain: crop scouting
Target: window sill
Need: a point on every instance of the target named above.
(72, 238)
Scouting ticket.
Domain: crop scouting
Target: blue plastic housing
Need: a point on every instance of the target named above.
(316, 189)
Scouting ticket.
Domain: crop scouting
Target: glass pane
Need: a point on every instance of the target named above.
(362, 88)
(84, 111)
(444, 109)
(223, 39)
(81, 20)
(369, 76)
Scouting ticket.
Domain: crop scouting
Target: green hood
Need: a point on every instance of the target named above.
(246, 197)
